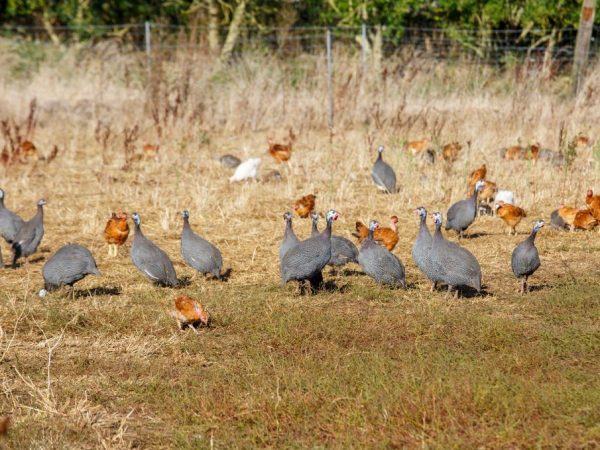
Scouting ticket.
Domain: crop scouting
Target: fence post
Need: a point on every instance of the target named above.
(148, 46)
(582, 45)
(364, 46)
(329, 82)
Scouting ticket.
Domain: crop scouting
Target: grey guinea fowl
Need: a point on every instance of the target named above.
(197, 252)
(343, 251)
(67, 266)
(525, 257)
(462, 214)
(30, 235)
(230, 161)
(383, 175)
(151, 260)
(305, 261)
(451, 263)
(557, 222)
(421, 251)
(289, 237)
(378, 262)
(10, 223)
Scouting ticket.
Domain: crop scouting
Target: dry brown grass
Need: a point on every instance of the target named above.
(358, 365)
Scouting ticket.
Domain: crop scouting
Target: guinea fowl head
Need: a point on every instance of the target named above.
(136, 219)
(437, 218)
(332, 215)
(41, 202)
(185, 214)
(421, 212)
(287, 216)
(538, 225)
(1, 194)
(373, 225)
(479, 185)
(380, 149)
(314, 216)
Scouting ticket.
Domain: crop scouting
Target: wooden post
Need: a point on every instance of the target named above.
(582, 46)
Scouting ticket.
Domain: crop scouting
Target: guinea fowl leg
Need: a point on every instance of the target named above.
(433, 286)
(525, 287)
(456, 293)
(449, 291)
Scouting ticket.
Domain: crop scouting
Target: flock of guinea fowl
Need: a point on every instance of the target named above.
(443, 262)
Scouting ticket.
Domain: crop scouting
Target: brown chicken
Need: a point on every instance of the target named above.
(511, 215)
(28, 150)
(581, 141)
(593, 202)
(475, 176)
(488, 193)
(4, 424)
(281, 152)
(518, 152)
(584, 220)
(417, 146)
(450, 151)
(151, 151)
(305, 205)
(388, 237)
(189, 313)
(116, 232)
(567, 214)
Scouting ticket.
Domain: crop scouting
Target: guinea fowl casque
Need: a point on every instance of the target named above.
(379, 263)
(306, 260)
(189, 313)
(67, 266)
(343, 251)
(388, 237)
(197, 252)
(289, 237)
(116, 232)
(149, 259)
(383, 175)
(452, 264)
(525, 258)
(510, 214)
(29, 235)
(304, 205)
(462, 213)
(421, 251)
(10, 223)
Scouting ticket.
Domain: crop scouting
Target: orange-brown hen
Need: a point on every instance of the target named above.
(510, 214)
(567, 214)
(116, 232)
(450, 151)
(417, 146)
(593, 203)
(388, 237)
(584, 220)
(475, 176)
(280, 152)
(305, 205)
(189, 313)
(489, 191)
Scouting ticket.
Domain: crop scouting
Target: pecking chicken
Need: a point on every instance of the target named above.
(584, 220)
(475, 176)
(489, 191)
(189, 313)
(517, 152)
(388, 237)
(510, 214)
(450, 151)
(116, 232)
(593, 202)
(305, 205)
(568, 213)
(417, 146)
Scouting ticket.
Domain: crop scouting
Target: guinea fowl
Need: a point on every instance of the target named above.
(378, 262)
(30, 235)
(10, 223)
(343, 251)
(151, 260)
(462, 214)
(230, 161)
(383, 175)
(289, 237)
(306, 260)
(525, 257)
(451, 263)
(421, 251)
(197, 252)
(557, 221)
(67, 266)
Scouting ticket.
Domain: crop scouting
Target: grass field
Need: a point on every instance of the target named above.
(356, 365)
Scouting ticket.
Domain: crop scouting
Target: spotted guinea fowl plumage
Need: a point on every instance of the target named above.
(421, 251)
(68, 265)
(343, 251)
(452, 264)
(29, 235)
(462, 213)
(10, 223)
(197, 252)
(289, 237)
(379, 263)
(383, 175)
(525, 258)
(151, 260)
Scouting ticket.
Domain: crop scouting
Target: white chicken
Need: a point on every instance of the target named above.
(246, 170)
(505, 196)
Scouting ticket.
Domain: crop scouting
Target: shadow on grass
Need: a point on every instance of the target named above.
(97, 291)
